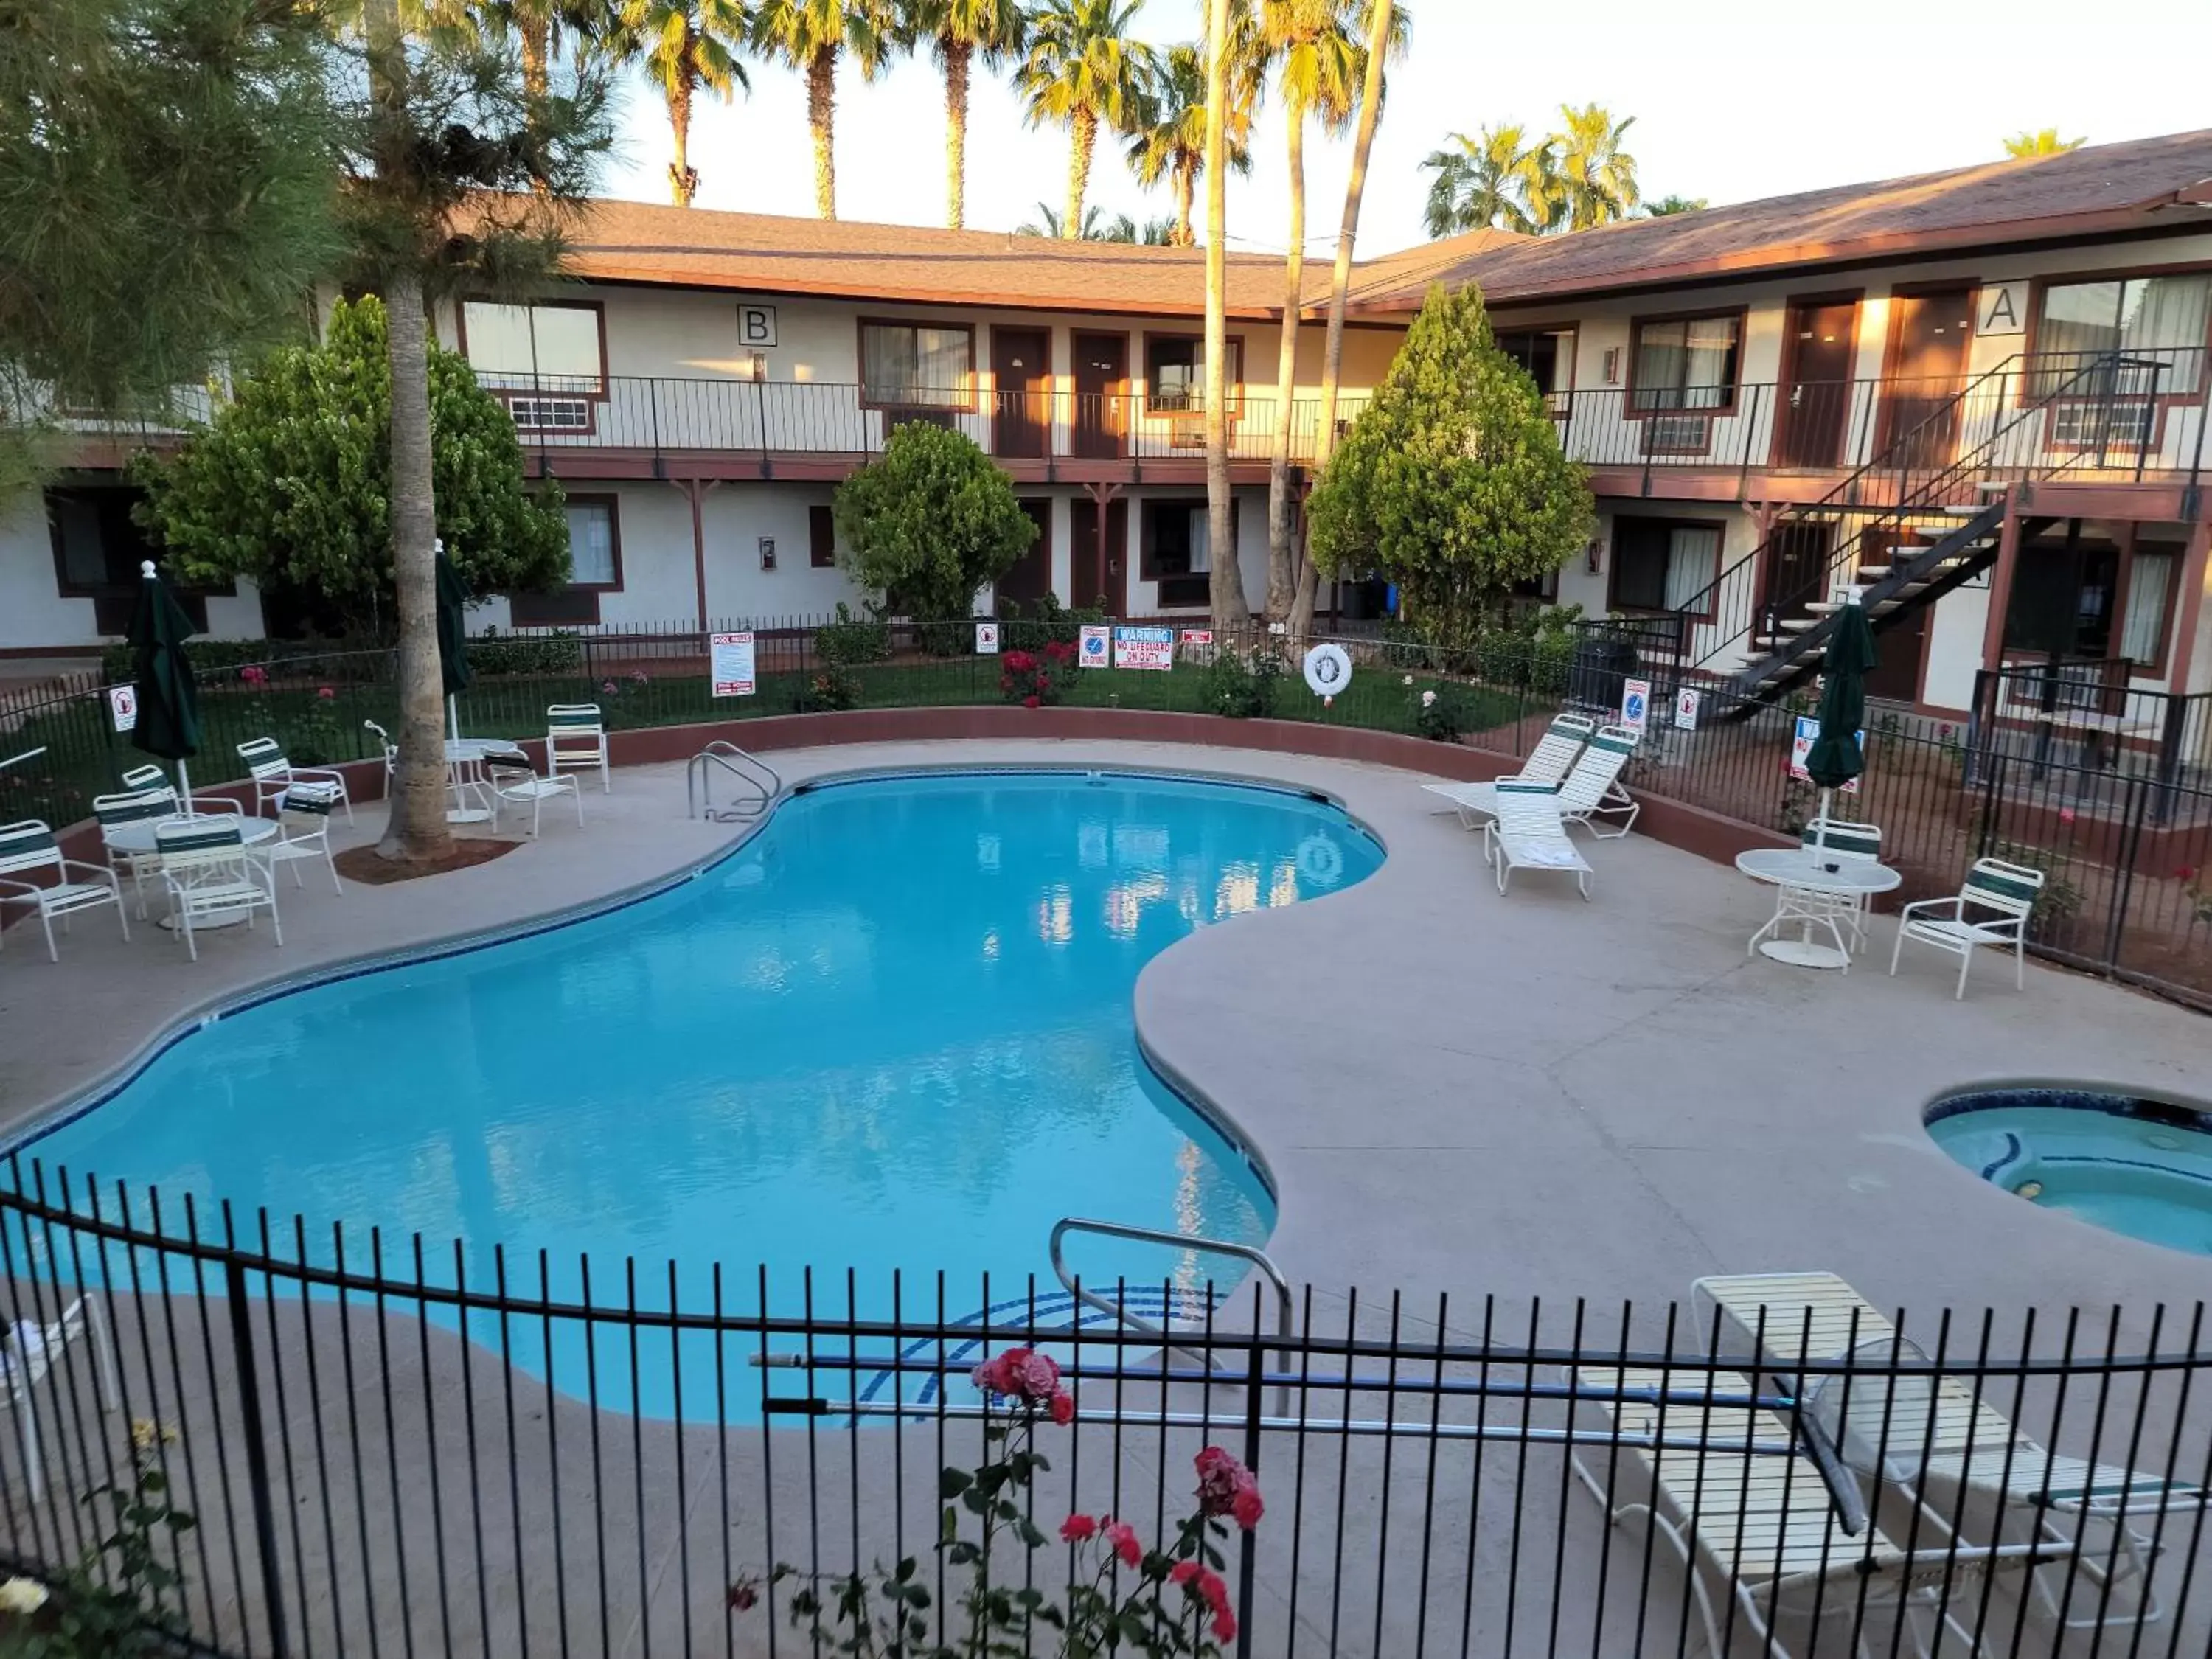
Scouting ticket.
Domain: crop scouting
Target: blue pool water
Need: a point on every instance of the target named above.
(891, 1033)
(2117, 1161)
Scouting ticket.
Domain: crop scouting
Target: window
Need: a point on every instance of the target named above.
(98, 549)
(1686, 363)
(546, 347)
(2062, 598)
(1174, 373)
(1175, 552)
(594, 567)
(1548, 355)
(821, 537)
(916, 365)
(2163, 320)
(2149, 604)
(1661, 564)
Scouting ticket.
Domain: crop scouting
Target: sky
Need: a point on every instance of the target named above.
(1733, 99)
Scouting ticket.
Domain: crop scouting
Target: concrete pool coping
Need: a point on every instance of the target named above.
(1454, 1093)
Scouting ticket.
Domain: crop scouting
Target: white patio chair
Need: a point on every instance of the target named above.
(1792, 1318)
(212, 878)
(28, 848)
(113, 812)
(1843, 840)
(515, 781)
(1751, 1520)
(1527, 833)
(1547, 762)
(303, 831)
(147, 777)
(273, 774)
(1992, 908)
(576, 741)
(27, 1356)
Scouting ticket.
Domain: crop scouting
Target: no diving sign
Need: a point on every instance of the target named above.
(123, 707)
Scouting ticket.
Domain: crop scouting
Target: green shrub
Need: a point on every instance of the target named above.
(850, 640)
(1444, 711)
(315, 737)
(1242, 689)
(494, 653)
(831, 689)
(1046, 622)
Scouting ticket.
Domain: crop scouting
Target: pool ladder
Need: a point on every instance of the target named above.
(1285, 1318)
(759, 784)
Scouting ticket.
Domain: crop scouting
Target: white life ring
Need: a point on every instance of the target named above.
(1329, 670)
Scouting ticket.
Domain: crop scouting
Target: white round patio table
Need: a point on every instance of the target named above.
(465, 759)
(138, 837)
(1801, 870)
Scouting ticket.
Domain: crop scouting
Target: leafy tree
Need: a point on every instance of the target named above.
(461, 179)
(2043, 141)
(688, 46)
(1667, 206)
(1096, 226)
(1084, 69)
(1596, 176)
(1496, 179)
(810, 36)
(167, 194)
(930, 522)
(1451, 481)
(958, 29)
(291, 484)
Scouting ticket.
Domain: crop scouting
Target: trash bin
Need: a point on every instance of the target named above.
(1595, 676)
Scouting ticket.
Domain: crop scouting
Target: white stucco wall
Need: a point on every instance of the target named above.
(33, 614)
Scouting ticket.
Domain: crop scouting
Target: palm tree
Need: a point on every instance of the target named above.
(2043, 141)
(1084, 70)
(537, 25)
(1497, 178)
(1597, 177)
(1386, 31)
(1315, 56)
(810, 36)
(686, 46)
(1226, 581)
(959, 29)
(1667, 206)
(1171, 143)
(1095, 225)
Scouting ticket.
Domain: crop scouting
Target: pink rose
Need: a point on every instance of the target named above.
(326, 692)
(1225, 1486)
(2066, 815)
(1063, 1408)
(1246, 1507)
(1122, 1538)
(1036, 1374)
(1078, 1527)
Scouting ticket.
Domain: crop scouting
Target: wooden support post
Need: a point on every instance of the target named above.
(2001, 584)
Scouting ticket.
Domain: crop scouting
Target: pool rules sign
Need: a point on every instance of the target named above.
(730, 664)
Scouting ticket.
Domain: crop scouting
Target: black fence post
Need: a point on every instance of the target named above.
(257, 1450)
(1247, 1561)
(2139, 797)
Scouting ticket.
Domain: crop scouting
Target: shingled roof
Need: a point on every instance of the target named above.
(2110, 188)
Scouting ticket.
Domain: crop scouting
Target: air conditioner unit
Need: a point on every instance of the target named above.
(1678, 434)
(541, 414)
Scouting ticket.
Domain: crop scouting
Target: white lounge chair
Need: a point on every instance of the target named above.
(1591, 789)
(515, 781)
(1992, 908)
(1795, 1317)
(28, 848)
(1723, 1486)
(1527, 834)
(211, 877)
(576, 741)
(1547, 762)
(27, 1356)
(273, 774)
(303, 831)
(135, 807)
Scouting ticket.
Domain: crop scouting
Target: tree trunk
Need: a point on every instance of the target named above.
(537, 48)
(956, 54)
(1186, 185)
(682, 179)
(1082, 137)
(1282, 566)
(1227, 577)
(821, 120)
(1371, 114)
(416, 829)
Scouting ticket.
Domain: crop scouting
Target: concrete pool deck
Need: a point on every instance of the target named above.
(1455, 1092)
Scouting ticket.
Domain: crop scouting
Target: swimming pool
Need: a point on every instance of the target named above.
(891, 1033)
(2119, 1161)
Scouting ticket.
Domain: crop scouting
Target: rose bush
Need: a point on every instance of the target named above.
(1036, 679)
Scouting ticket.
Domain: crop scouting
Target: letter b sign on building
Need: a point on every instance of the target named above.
(757, 327)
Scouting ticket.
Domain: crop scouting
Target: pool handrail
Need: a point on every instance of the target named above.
(748, 769)
(1286, 1317)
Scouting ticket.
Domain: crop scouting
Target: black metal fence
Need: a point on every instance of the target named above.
(387, 1448)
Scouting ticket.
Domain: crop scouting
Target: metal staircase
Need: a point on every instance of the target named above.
(1908, 527)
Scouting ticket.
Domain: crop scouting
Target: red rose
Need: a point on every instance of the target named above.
(1063, 1408)
(326, 692)
(1183, 1571)
(1078, 1527)
(1122, 1538)
(1225, 1624)
(743, 1596)
(1031, 702)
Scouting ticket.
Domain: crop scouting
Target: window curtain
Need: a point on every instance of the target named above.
(591, 545)
(541, 348)
(1201, 560)
(1686, 365)
(2143, 629)
(924, 367)
(2164, 318)
(1694, 560)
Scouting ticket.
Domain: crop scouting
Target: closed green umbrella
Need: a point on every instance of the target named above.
(168, 724)
(452, 636)
(1836, 756)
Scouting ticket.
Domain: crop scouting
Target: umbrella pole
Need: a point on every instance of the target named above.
(183, 790)
(453, 716)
